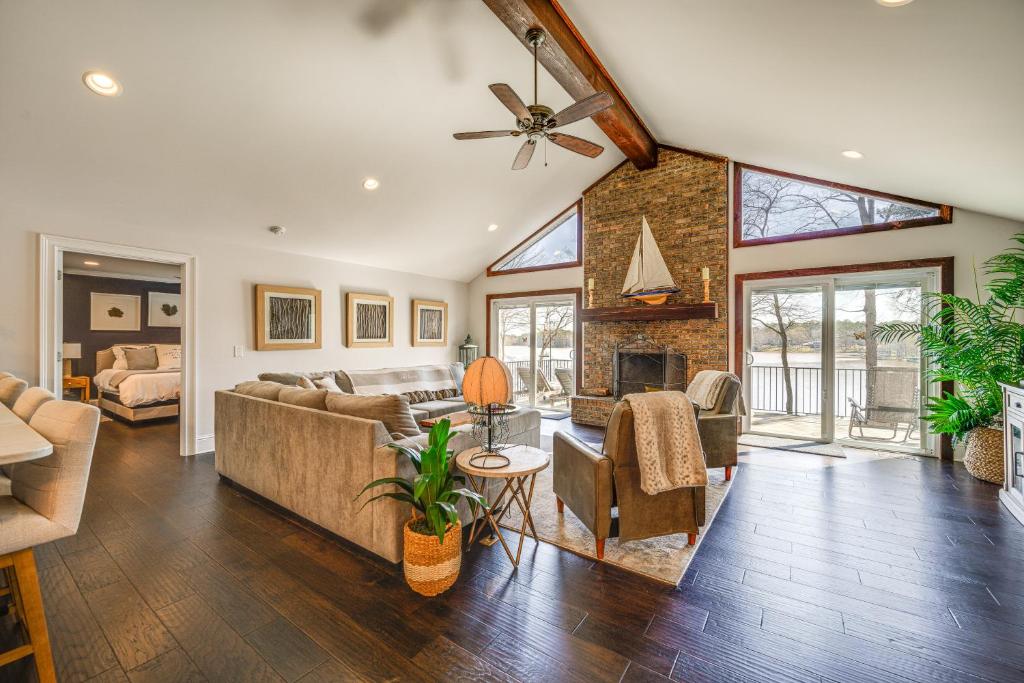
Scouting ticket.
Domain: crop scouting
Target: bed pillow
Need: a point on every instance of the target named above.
(141, 359)
(391, 409)
(168, 356)
(120, 362)
(306, 383)
(307, 398)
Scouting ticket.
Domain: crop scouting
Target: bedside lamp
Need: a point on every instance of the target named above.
(70, 352)
(487, 387)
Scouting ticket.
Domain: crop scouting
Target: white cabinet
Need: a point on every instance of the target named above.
(1012, 494)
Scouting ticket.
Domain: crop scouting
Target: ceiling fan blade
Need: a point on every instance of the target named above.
(481, 134)
(524, 154)
(512, 101)
(588, 106)
(575, 144)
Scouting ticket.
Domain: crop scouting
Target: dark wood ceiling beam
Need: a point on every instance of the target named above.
(575, 67)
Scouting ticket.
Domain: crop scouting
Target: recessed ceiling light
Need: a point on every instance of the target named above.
(91, 263)
(852, 154)
(492, 227)
(371, 184)
(101, 83)
(893, 3)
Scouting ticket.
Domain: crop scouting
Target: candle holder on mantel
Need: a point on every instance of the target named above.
(705, 276)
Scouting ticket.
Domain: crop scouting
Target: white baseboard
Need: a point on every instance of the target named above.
(204, 444)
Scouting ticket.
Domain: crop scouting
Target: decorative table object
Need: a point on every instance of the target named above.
(487, 388)
(468, 351)
(520, 475)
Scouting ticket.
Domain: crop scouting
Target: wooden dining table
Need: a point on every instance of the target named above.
(18, 441)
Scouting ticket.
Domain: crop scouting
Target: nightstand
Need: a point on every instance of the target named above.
(79, 382)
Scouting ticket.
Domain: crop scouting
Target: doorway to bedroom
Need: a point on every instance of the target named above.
(114, 334)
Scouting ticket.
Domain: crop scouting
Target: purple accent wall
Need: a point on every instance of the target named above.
(77, 289)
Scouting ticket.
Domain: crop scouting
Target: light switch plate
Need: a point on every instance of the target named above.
(239, 350)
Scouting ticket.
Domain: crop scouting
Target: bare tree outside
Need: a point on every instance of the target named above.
(774, 205)
(780, 312)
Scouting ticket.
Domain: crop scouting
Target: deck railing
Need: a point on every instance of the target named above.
(768, 389)
(547, 366)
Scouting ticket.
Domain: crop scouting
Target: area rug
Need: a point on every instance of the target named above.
(664, 559)
(782, 444)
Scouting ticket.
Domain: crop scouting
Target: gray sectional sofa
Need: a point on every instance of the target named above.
(312, 453)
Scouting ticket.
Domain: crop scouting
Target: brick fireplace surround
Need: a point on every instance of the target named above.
(685, 199)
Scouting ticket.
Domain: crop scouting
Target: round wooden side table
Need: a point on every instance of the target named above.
(520, 475)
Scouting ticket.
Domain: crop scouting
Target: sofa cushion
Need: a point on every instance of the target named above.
(307, 398)
(391, 409)
(327, 382)
(438, 408)
(455, 399)
(259, 389)
(307, 383)
(291, 379)
(419, 415)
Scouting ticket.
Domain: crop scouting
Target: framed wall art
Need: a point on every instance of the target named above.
(288, 318)
(115, 312)
(429, 323)
(371, 320)
(164, 309)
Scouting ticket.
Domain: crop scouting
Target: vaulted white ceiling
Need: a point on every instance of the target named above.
(241, 114)
(932, 93)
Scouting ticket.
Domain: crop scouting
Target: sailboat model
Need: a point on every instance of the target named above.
(648, 278)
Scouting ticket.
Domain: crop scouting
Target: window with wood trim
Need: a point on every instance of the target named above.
(773, 206)
(558, 244)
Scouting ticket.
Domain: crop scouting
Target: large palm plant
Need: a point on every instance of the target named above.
(975, 345)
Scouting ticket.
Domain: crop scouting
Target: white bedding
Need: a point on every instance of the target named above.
(142, 389)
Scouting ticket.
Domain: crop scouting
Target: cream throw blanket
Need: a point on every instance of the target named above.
(708, 387)
(668, 446)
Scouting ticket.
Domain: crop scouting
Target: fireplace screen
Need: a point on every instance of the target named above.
(641, 365)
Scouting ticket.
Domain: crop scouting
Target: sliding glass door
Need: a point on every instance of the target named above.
(535, 338)
(815, 369)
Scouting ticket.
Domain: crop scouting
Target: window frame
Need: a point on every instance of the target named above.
(578, 205)
(945, 210)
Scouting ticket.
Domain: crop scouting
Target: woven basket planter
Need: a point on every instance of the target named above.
(431, 567)
(983, 457)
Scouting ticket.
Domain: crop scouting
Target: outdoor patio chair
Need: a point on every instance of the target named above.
(893, 402)
(564, 376)
(545, 392)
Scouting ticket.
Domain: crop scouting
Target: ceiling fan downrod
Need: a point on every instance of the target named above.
(535, 37)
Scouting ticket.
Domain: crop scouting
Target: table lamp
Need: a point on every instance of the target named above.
(70, 352)
(487, 387)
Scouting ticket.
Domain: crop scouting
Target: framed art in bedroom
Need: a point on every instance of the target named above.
(114, 312)
(429, 323)
(164, 309)
(288, 318)
(371, 320)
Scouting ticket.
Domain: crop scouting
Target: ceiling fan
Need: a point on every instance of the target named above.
(537, 122)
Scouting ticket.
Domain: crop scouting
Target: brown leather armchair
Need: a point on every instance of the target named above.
(592, 484)
(719, 429)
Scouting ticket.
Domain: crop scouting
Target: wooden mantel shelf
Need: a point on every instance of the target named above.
(663, 312)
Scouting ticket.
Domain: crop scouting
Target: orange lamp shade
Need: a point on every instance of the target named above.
(487, 381)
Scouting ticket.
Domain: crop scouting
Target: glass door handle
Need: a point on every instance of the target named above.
(748, 357)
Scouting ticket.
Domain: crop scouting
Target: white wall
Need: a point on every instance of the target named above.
(482, 285)
(225, 278)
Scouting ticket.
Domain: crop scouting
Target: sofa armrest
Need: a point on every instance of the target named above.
(718, 435)
(582, 479)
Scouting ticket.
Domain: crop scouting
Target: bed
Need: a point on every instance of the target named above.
(136, 395)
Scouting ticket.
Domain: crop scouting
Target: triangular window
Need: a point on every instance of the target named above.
(555, 245)
(772, 206)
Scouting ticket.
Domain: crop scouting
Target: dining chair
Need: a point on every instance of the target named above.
(45, 505)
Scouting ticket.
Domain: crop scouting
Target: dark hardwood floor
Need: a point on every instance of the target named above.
(892, 570)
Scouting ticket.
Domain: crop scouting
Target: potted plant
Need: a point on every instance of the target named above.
(433, 536)
(977, 345)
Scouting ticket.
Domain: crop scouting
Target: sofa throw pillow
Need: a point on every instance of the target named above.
(307, 398)
(458, 372)
(306, 383)
(120, 362)
(391, 409)
(168, 356)
(327, 383)
(259, 389)
(141, 359)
